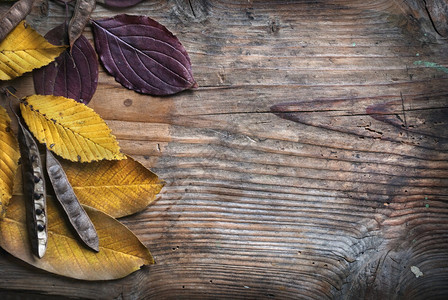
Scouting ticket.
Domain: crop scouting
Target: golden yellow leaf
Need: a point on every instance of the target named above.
(70, 129)
(9, 157)
(121, 253)
(24, 50)
(118, 188)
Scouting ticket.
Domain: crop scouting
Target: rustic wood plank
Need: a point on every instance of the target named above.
(311, 162)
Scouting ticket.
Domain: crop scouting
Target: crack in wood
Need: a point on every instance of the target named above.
(431, 18)
(404, 112)
(192, 10)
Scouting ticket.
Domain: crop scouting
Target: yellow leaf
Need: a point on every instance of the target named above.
(24, 50)
(9, 157)
(121, 253)
(70, 129)
(118, 188)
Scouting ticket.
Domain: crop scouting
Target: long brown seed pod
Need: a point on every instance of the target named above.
(70, 203)
(10, 19)
(80, 18)
(34, 190)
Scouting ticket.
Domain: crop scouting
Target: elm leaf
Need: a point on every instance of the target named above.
(72, 75)
(143, 55)
(116, 187)
(69, 129)
(119, 3)
(24, 50)
(9, 158)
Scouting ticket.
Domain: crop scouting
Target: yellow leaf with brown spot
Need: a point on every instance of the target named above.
(24, 50)
(9, 157)
(118, 188)
(121, 253)
(70, 129)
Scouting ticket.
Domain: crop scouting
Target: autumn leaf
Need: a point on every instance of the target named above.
(70, 129)
(23, 50)
(143, 55)
(121, 253)
(73, 74)
(9, 157)
(118, 188)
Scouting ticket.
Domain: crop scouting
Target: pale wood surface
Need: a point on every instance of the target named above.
(337, 204)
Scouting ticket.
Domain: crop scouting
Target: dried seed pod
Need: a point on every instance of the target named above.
(34, 190)
(66, 196)
(13, 16)
(80, 18)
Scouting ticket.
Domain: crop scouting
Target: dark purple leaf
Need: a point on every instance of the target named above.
(119, 3)
(143, 55)
(72, 75)
(58, 35)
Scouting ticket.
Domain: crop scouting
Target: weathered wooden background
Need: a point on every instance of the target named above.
(335, 196)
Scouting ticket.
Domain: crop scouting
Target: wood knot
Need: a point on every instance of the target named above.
(127, 102)
(273, 26)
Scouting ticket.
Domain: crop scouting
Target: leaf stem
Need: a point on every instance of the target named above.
(10, 91)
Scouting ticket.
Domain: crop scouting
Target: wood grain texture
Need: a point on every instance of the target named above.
(311, 162)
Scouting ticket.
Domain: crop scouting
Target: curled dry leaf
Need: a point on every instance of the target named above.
(143, 55)
(64, 193)
(9, 157)
(34, 191)
(24, 50)
(118, 188)
(121, 253)
(15, 14)
(73, 74)
(80, 18)
(70, 129)
(119, 3)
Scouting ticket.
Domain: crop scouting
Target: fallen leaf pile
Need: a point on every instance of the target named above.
(93, 181)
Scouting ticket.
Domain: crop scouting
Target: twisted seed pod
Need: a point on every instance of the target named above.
(66, 196)
(34, 191)
(80, 18)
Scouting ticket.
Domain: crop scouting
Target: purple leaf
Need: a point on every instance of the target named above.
(72, 75)
(119, 3)
(143, 55)
(58, 35)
